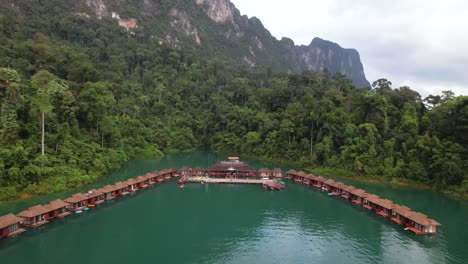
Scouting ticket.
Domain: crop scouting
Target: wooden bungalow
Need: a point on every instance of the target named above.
(34, 216)
(160, 176)
(172, 172)
(264, 173)
(95, 197)
(10, 226)
(277, 173)
(303, 178)
(132, 185)
(57, 209)
(398, 213)
(371, 201)
(77, 202)
(318, 181)
(120, 189)
(311, 178)
(185, 171)
(142, 182)
(290, 174)
(338, 187)
(198, 172)
(166, 174)
(346, 192)
(327, 185)
(421, 224)
(233, 168)
(384, 207)
(358, 195)
(107, 192)
(151, 177)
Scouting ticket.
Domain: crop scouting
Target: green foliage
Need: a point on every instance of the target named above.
(109, 96)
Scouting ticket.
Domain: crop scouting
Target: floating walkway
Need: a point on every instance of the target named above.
(266, 184)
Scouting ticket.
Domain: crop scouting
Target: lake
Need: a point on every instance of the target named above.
(238, 224)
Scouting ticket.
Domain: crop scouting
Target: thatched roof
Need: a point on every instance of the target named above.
(185, 168)
(130, 181)
(292, 172)
(93, 193)
(76, 198)
(360, 193)
(329, 182)
(140, 179)
(402, 210)
(263, 170)
(107, 189)
(120, 185)
(386, 203)
(421, 219)
(277, 170)
(33, 211)
(55, 205)
(150, 175)
(8, 220)
(320, 179)
(373, 198)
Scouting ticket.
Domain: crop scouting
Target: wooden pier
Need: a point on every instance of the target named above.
(226, 181)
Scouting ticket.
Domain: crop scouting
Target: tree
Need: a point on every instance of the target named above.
(44, 83)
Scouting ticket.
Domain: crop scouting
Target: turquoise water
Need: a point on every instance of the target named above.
(238, 224)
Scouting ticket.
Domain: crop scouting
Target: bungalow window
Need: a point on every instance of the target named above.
(13, 227)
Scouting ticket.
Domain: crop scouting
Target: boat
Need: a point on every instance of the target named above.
(78, 212)
(181, 186)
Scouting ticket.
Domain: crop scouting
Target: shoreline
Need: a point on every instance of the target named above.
(324, 171)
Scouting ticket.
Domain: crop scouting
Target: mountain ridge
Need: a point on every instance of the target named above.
(215, 29)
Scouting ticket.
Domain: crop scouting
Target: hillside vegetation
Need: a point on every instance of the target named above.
(81, 97)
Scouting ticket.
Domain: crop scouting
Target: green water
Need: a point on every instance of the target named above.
(238, 224)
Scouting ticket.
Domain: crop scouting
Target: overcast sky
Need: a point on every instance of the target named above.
(419, 43)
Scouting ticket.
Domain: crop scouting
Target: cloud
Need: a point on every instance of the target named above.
(422, 43)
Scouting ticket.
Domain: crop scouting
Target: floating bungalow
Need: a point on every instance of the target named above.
(107, 192)
(277, 173)
(327, 185)
(120, 189)
(358, 195)
(77, 202)
(420, 224)
(290, 174)
(198, 172)
(185, 171)
(370, 202)
(346, 192)
(57, 209)
(10, 226)
(95, 197)
(132, 185)
(318, 181)
(233, 169)
(34, 216)
(264, 173)
(384, 207)
(142, 182)
(398, 214)
(151, 177)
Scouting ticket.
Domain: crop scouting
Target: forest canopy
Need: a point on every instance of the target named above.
(81, 97)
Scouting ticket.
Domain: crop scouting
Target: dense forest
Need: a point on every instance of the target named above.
(81, 97)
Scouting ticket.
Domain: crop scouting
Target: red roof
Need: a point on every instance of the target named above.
(33, 211)
(76, 198)
(8, 220)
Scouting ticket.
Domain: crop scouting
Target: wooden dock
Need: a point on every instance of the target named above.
(227, 181)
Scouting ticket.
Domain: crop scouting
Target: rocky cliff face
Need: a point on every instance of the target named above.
(215, 28)
(319, 55)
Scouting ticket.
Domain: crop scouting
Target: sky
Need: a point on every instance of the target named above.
(422, 44)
